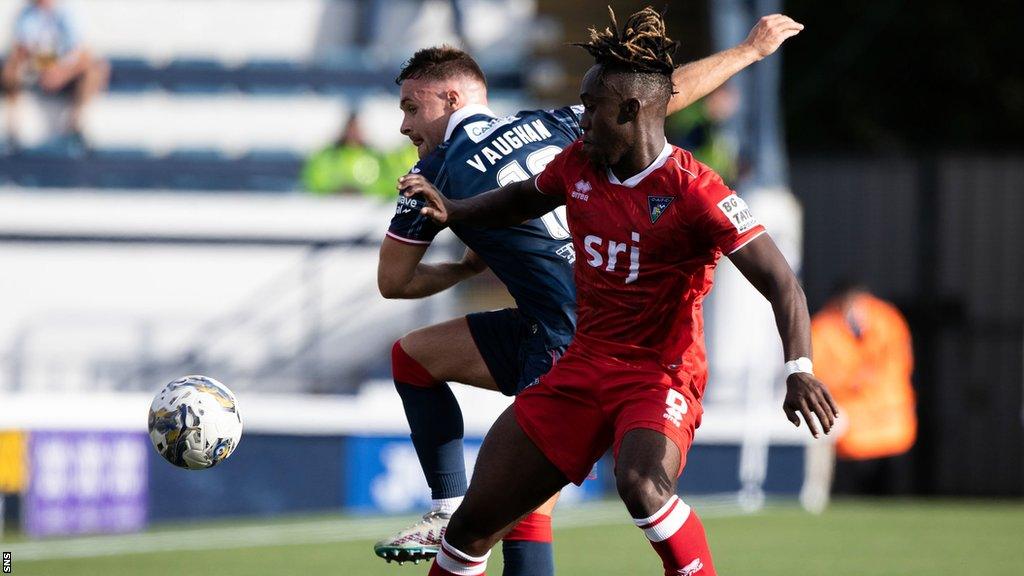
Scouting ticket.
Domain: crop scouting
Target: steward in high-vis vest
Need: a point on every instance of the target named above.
(863, 349)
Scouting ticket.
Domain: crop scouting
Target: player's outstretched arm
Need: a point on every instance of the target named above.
(509, 205)
(402, 274)
(697, 79)
(766, 268)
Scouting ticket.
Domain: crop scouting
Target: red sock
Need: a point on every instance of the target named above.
(678, 537)
(527, 548)
(407, 370)
(534, 527)
(452, 562)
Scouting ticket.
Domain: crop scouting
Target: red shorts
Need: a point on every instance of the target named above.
(589, 400)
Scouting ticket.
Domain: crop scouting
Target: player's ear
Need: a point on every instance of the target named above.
(453, 99)
(629, 109)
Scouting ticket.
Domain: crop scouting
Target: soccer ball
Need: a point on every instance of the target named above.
(194, 422)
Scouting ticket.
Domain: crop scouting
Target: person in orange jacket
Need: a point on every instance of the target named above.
(863, 349)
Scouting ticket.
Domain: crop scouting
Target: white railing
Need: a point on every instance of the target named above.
(122, 292)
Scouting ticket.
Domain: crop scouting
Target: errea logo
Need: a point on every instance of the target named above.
(582, 190)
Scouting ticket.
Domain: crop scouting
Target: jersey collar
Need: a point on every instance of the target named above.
(465, 112)
(632, 181)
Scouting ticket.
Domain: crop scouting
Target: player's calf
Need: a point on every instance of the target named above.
(646, 470)
(435, 421)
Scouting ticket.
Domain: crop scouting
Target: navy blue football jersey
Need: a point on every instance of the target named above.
(534, 259)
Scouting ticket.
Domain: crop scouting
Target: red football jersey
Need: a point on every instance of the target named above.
(646, 250)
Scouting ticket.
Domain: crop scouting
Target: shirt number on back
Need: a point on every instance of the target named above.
(554, 221)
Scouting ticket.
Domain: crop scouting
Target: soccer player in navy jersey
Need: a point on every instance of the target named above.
(466, 150)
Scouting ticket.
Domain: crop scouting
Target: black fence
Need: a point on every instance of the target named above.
(942, 236)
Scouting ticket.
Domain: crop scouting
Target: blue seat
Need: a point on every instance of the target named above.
(201, 76)
(196, 155)
(196, 169)
(272, 156)
(121, 154)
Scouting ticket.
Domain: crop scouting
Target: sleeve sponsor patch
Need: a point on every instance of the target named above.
(478, 130)
(737, 212)
(407, 205)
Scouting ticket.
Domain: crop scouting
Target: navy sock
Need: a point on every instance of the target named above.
(435, 420)
(528, 558)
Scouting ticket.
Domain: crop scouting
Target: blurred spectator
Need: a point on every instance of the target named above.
(698, 129)
(48, 52)
(350, 166)
(862, 350)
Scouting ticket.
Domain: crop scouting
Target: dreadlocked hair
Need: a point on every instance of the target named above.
(641, 47)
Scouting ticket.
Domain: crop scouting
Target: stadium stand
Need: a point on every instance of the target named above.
(196, 107)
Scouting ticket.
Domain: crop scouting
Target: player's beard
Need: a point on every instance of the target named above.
(595, 156)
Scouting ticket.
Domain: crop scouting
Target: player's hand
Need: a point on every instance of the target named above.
(770, 32)
(806, 395)
(472, 262)
(437, 208)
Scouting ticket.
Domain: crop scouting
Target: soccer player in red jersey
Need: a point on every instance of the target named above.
(649, 224)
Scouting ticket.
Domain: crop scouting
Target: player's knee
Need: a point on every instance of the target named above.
(643, 492)
(407, 370)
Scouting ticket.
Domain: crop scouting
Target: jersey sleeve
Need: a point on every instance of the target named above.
(408, 225)
(721, 216)
(552, 180)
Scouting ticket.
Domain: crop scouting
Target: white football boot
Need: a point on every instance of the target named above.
(421, 541)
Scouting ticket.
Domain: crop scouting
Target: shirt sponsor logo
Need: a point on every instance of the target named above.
(739, 215)
(658, 205)
(596, 259)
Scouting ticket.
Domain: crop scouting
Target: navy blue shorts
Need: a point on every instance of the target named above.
(513, 348)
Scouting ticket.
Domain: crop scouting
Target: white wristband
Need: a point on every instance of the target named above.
(801, 364)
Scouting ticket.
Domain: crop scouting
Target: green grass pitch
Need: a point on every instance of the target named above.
(855, 538)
